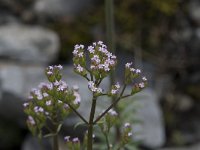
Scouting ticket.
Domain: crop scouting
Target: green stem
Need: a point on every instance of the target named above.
(78, 114)
(90, 125)
(55, 142)
(107, 141)
(112, 105)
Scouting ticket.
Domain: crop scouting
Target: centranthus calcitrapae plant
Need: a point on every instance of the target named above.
(52, 102)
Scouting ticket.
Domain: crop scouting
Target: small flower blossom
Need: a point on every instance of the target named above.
(77, 99)
(79, 68)
(40, 109)
(48, 103)
(60, 67)
(91, 49)
(49, 73)
(25, 104)
(75, 140)
(117, 85)
(66, 106)
(138, 71)
(144, 79)
(127, 125)
(75, 52)
(45, 94)
(80, 54)
(66, 138)
(113, 92)
(132, 70)
(60, 102)
(112, 112)
(141, 85)
(99, 90)
(129, 134)
(128, 65)
(31, 120)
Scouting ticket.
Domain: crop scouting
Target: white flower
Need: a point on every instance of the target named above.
(77, 98)
(96, 59)
(144, 79)
(31, 120)
(113, 91)
(100, 42)
(117, 85)
(59, 67)
(138, 71)
(40, 109)
(80, 54)
(75, 52)
(45, 94)
(129, 134)
(60, 102)
(79, 68)
(66, 138)
(132, 69)
(75, 140)
(48, 103)
(91, 49)
(127, 125)
(141, 85)
(112, 112)
(99, 90)
(128, 65)
(25, 104)
(49, 72)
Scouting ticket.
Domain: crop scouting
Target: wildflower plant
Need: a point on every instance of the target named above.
(52, 102)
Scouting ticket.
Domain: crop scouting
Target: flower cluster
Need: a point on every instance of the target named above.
(50, 100)
(101, 60)
(114, 89)
(92, 87)
(109, 120)
(72, 144)
(126, 133)
(132, 73)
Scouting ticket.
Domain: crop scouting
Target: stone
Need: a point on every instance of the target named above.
(193, 147)
(31, 143)
(28, 43)
(59, 8)
(194, 10)
(151, 131)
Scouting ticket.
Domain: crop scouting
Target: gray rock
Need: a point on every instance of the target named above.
(32, 143)
(27, 43)
(52, 8)
(194, 147)
(194, 10)
(151, 130)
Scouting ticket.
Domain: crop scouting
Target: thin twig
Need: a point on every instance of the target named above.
(78, 114)
(111, 106)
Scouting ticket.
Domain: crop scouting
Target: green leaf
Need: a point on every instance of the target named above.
(79, 124)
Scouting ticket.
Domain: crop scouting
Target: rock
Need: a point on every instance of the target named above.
(31, 143)
(52, 8)
(27, 43)
(151, 130)
(194, 147)
(19, 79)
(194, 10)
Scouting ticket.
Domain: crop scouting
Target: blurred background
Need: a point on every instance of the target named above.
(162, 37)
